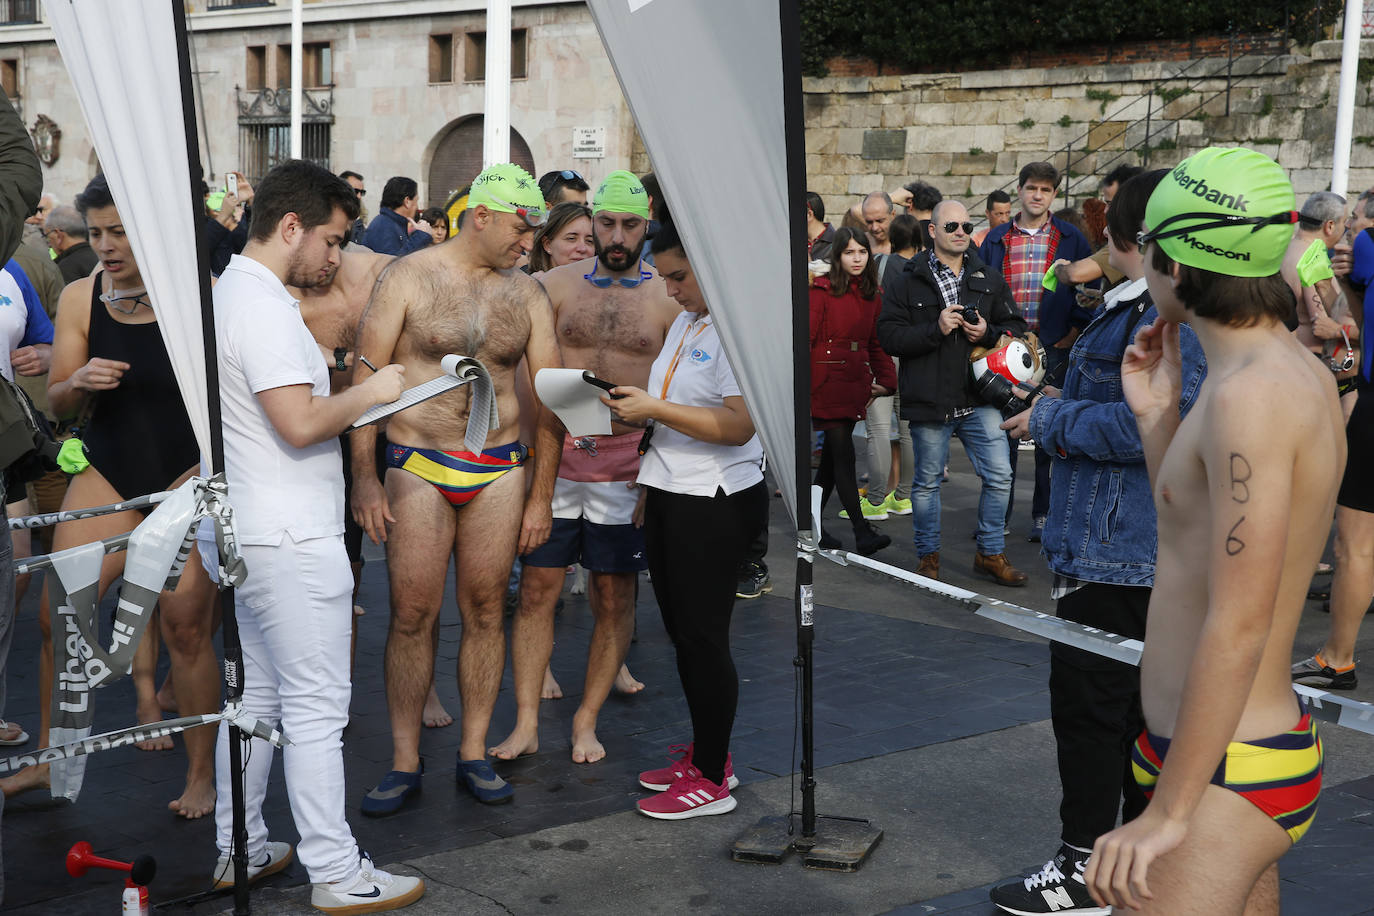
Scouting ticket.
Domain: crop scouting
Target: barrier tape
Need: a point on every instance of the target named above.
(1346, 712)
(233, 714)
(71, 515)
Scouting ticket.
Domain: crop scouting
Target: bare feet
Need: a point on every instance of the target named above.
(167, 695)
(152, 716)
(28, 779)
(358, 610)
(435, 715)
(625, 681)
(551, 689)
(197, 801)
(585, 747)
(521, 743)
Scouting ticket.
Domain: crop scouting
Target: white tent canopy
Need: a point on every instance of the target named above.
(704, 80)
(130, 95)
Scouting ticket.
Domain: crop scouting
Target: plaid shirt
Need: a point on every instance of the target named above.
(1028, 256)
(948, 281)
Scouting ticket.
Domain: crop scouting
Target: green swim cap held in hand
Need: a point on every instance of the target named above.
(1224, 209)
(507, 188)
(71, 457)
(1050, 280)
(1314, 266)
(621, 192)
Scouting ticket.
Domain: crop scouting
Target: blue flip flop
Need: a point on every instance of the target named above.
(396, 788)
(478, 777)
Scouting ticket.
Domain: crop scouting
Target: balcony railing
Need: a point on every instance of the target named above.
(274, 105)
(18, 12)
(237, 4)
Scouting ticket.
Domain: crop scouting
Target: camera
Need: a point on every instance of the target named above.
(997, 372)
(970, 314)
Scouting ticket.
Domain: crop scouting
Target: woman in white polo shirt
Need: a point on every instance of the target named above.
(702, 494)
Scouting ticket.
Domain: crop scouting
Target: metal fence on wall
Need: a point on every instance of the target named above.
(265, 128)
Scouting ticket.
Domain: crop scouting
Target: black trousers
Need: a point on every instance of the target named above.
(1095, 710)
(694, 545)
(838, 471)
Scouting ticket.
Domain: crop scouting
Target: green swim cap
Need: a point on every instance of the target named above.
(1224, 209)
(506, 187)
(621, 192)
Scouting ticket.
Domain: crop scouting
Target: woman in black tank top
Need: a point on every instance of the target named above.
(111, 366)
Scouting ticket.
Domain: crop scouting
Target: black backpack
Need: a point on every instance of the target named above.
(27, 447)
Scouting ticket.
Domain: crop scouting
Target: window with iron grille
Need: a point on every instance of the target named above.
(265, 129)
(18, 12)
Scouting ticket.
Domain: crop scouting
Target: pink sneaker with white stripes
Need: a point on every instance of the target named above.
(690, 795)
(660, 779)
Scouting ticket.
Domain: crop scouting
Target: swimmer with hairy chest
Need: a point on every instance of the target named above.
(465, 297)
(611, 312)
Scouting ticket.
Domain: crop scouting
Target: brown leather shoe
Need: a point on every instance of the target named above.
(997, 567)
(930, 566)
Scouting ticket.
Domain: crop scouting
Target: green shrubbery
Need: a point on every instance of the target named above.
(975, 33)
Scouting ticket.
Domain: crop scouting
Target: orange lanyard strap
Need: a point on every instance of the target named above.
(672, 367)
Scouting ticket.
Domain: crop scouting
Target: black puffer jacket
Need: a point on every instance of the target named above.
(934, 377)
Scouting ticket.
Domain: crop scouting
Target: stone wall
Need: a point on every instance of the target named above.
(970, 133)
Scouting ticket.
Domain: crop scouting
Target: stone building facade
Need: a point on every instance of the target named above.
(969, 133)
(393, 87)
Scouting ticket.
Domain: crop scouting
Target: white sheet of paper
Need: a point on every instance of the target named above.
(577, 403)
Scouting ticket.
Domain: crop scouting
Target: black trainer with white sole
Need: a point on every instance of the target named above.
(1058, 888)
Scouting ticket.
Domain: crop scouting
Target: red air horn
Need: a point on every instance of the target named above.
(141, 872)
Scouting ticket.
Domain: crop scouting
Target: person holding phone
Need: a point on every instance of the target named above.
(701, 496)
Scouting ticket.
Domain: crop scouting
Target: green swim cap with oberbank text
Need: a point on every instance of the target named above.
(1224, 209)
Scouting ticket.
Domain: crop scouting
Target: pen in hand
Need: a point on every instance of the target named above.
(366, 362)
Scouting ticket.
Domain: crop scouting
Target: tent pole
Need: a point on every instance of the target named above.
(845, 842)
(233, 651)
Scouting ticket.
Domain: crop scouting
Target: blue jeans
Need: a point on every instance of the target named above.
(986, 445)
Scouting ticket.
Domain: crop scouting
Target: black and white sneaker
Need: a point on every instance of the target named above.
(371, 890)
(1057, 888)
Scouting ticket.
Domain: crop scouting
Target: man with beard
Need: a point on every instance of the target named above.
(611, 313)
(466, 297)
(282, 461)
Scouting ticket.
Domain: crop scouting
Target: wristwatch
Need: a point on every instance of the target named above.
(339, 354)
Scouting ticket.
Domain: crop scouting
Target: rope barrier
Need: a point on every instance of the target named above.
(1346, 712)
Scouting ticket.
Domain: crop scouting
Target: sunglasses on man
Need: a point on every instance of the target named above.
(951, 226)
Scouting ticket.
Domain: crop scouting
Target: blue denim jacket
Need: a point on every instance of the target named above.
(1101, 524)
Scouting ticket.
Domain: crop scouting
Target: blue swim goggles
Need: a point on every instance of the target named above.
(627, 282)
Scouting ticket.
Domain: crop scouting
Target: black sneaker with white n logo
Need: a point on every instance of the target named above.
(1058, 888)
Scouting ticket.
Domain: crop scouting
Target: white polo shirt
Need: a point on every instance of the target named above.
(702, 377)
(275, 489)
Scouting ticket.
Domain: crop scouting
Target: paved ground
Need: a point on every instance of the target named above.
(929, 721)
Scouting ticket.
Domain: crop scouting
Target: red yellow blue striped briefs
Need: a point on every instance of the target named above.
(1282, 775)
(458, 476)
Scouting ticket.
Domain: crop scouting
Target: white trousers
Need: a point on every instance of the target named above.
(295, 617)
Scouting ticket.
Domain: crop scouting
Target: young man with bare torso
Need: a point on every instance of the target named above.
(441, 501)
(611, 313)
(1244, 487)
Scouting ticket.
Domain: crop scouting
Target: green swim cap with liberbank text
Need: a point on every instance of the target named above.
(621, 192)
(508, 188)
(1224, 209)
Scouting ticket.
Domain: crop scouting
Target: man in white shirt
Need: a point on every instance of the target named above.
(283, 463)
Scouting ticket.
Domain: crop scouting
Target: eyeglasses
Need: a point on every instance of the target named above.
(951, 226)
(361, 192)
(533, 216)
(606, 282)
(1212, 221)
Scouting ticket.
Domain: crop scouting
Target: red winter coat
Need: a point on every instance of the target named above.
(845, 355)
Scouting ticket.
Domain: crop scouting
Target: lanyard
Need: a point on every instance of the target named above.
(672, 367)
